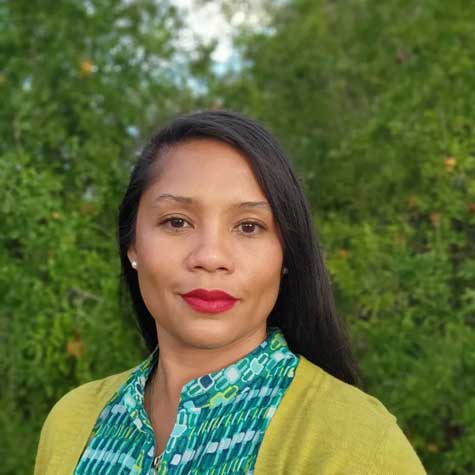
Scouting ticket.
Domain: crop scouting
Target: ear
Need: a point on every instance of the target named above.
(132, 254)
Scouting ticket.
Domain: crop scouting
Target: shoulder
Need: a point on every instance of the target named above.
(72, 418)
(330, 423)
(88, 395)
(339, 397)
(343, 410)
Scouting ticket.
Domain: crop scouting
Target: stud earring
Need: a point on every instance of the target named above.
(285, 270)
(134, 264)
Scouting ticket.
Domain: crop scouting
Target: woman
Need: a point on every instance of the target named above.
(249, 369)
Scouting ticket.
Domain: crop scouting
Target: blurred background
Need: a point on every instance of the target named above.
(374, 100)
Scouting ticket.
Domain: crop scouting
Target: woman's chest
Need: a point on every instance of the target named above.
(221, 439)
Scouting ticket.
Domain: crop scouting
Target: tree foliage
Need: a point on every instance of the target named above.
(80, 82)
(375, 101)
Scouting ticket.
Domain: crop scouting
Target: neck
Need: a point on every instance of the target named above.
(178, 363)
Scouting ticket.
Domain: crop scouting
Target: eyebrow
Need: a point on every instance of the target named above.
(189, 201)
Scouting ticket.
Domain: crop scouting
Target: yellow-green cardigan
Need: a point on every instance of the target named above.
(322, 426)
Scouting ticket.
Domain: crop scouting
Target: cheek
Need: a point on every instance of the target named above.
(161, 258)
(158, 278)
(265, 269)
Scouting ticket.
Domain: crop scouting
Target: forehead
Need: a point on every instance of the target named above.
(206, 168)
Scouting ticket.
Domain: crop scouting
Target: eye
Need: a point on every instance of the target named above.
(174, 222)
(251, 226)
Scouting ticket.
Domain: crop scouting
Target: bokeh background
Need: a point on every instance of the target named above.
(374, 100)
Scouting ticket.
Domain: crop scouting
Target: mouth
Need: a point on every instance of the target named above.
(209, 301)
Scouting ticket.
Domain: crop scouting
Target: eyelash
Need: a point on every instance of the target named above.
(171, 218)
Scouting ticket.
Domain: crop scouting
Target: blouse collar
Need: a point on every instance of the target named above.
(216, 388)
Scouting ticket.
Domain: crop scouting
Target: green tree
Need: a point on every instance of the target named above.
(375, 101)
(81, 83)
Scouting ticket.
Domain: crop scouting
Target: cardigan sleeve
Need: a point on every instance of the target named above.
(396, 456)
(44, 453)
(41, 453)
(69, 423)
(325, 426)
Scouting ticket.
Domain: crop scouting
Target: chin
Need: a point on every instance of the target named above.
(209, 334)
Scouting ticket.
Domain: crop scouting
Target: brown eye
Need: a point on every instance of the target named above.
(177, 222)
(248, 227)
(174, 223)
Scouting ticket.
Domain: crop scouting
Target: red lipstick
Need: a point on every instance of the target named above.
(209, 301)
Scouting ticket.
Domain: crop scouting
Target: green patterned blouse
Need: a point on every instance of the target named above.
(220, 422)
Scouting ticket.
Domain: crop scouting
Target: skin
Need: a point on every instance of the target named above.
(210, 245)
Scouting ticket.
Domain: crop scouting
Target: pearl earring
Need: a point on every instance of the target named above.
(134, 264)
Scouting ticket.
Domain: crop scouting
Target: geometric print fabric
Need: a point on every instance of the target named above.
(220, 422)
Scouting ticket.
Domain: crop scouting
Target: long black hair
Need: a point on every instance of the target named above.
(305, 309)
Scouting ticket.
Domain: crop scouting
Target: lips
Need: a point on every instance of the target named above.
(209, 301)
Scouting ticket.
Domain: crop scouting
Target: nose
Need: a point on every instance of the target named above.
(211, 251)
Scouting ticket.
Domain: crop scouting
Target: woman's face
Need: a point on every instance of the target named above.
(210, 239)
